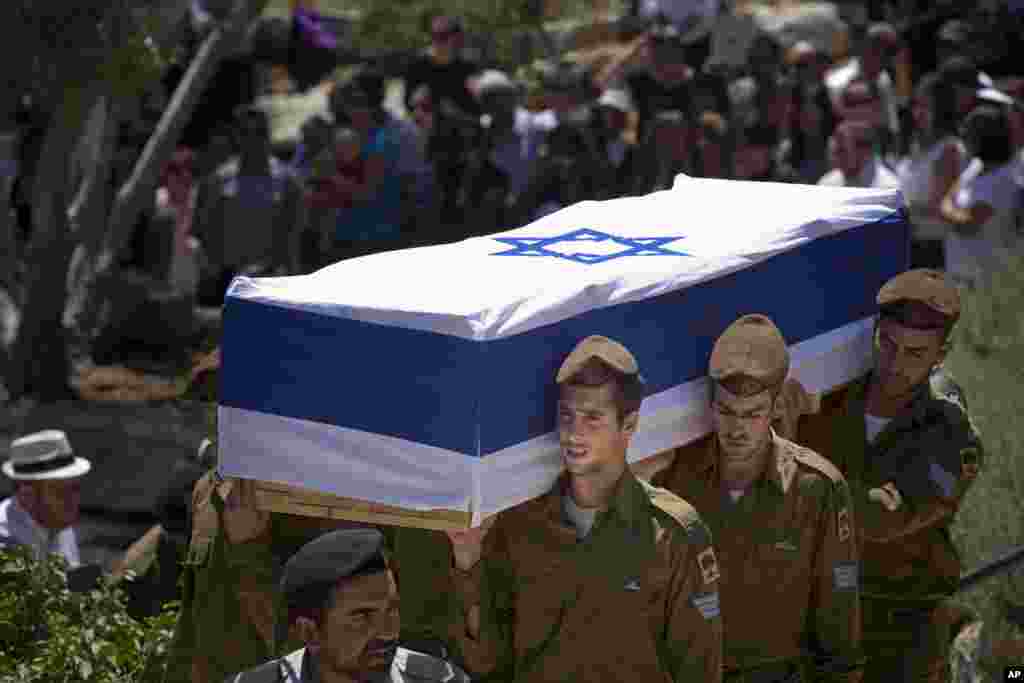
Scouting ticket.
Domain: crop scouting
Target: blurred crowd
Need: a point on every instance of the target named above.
(303, 169)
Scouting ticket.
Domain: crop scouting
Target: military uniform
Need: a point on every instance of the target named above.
(907, 486)
(792, 532)
(628, 592)
(637, 599)
(910, 565)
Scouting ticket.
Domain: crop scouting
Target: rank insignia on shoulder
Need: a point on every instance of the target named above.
(843, 521)
(706, 604)
(844, 576)
(708, 564)
(632, 585)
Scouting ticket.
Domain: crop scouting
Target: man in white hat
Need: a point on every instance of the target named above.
(45, 506)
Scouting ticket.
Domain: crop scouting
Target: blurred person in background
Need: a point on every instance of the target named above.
(443, 69)
(937, 158)
(672, 81)
(337, 174)
(883, 54)
(617, 153)
(311, 49)
(667, 151)
(756, 156)
(712, 147)
(981, 205)
(856, 164)
(175, 213)
(249, 211)
(374, 221)
(444, 142)
(813, 119)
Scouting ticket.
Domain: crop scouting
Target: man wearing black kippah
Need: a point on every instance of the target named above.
(343, 602)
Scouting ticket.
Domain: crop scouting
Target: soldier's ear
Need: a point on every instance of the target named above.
(629, 422)
(308, 632)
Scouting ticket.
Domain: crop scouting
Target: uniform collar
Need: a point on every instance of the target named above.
(780, 469)
(629, 502)
(920, 401)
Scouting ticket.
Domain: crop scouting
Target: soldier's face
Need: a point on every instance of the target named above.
(358, 634)
(591, 436)
(743, 425)
(904, 357)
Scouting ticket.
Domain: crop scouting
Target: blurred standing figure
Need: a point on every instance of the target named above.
(855, 162)
(175, 213)
(813, 119)
(443, 68)
(667, 151)
(671, 82)
(937, 158)
(44, 510)
(374, 221)
(249, 211)
(981, 205)
(882, 54)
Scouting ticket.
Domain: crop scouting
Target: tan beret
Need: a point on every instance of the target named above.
(929, 287)
(751, 347)
(610, 351)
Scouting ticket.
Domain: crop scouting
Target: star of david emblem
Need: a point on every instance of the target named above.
(631, 246)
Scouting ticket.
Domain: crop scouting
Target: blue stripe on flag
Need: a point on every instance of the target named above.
(480, 397)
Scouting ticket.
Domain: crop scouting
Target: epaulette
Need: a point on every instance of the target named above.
(681, 512)
(818, 463)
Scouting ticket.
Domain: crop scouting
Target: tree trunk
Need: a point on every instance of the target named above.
(39, 361)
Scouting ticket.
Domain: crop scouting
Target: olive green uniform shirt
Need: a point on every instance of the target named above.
(789, 561)
(636, 600)
(931, 455)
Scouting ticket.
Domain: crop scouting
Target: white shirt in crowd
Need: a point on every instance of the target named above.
(873, 174)
(17, 527)
(970, 258)
(680, 11)
(915, 173)
(838, 78)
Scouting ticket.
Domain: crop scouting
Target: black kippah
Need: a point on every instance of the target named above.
(311, 574)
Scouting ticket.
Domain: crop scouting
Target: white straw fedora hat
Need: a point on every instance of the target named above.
(44, 455)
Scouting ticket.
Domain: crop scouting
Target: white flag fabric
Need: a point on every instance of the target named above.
(424, 378)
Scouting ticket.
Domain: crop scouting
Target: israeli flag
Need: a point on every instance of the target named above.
(424, 378)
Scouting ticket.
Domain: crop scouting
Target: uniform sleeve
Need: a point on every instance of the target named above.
(693, 634)
(485, 595)
(930, 490)
(253, 570)
(835, 601)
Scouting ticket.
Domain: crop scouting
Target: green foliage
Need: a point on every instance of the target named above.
(988, 362)
(48, 634)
